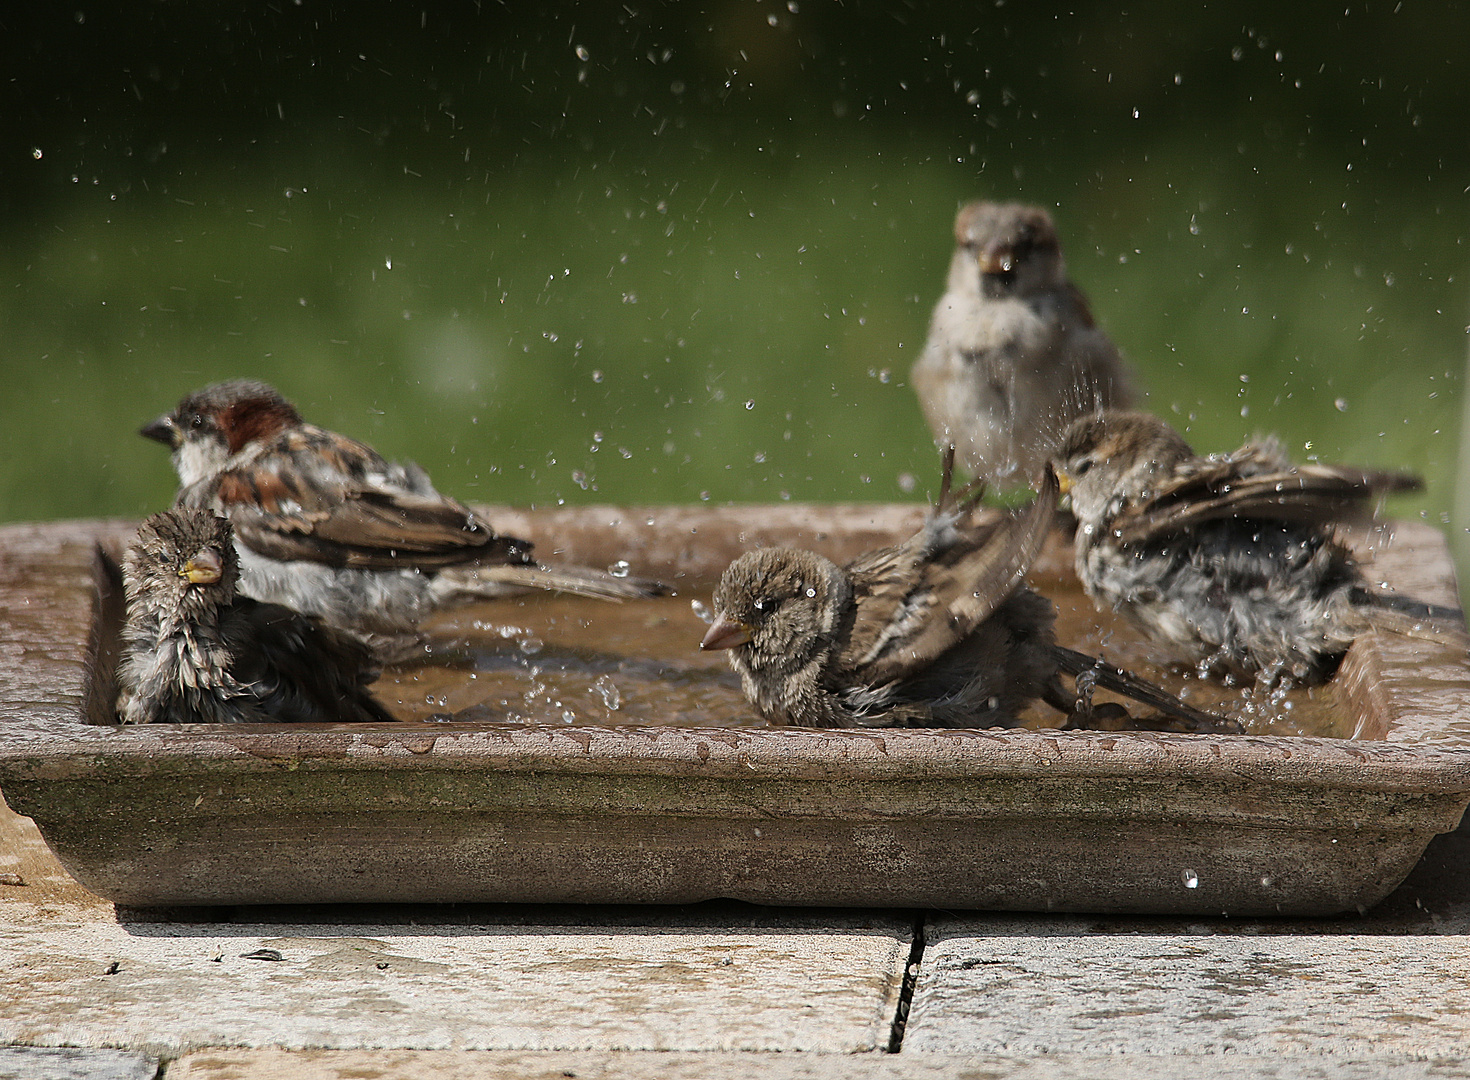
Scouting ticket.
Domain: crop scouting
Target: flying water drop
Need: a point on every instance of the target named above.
(609, 692)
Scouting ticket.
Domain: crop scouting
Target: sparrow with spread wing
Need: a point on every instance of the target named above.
(1231, 560)
(938, 631)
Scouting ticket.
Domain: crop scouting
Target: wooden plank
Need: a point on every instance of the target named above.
(69, 1063)
(169, 988)
(1016, 986)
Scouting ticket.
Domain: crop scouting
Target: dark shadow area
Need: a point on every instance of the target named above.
(713, 915)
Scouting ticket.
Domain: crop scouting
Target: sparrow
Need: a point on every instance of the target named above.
(1230, 560)
(1013, 354)
(196, 652)
(327, 527)
(938, 631)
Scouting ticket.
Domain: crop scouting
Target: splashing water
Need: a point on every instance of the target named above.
(608, 690)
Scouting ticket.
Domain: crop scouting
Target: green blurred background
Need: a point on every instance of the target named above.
(659, 253)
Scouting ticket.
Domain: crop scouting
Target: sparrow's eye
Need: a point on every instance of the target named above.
(1080, 469)
(763, 605)
(196, 420)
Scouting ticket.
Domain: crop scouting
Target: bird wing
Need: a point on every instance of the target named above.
(1231, 487)
(916, 600)
(323, 498)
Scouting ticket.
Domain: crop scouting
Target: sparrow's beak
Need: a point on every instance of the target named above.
(205, 568)
(1064, 481)
(726, 634)
(997, 258)
(163, 430)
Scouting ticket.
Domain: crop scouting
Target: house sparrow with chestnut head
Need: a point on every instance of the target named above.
(1013, 354)
(326, 526)
(938, 631)
(1229, 560)
(195, 652)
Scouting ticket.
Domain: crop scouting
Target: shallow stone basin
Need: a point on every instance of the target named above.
(553, 812)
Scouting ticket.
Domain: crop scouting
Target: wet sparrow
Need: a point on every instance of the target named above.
(195, 652)
(1230, 560)
(326, 526)
(939, 631)
(1013, 354)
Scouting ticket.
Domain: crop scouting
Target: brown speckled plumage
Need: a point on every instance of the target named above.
(939, 631)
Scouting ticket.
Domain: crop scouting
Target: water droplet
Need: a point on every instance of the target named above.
(568, 717)
(749, 404)
(1190, 879)
(609, 692)
(771, 20)
(597, 376)
(619, 568)
(388, 262)
(1340, 404)
(907, 481)
(36, 152)
(530, 645)
(701, 611)
(760, 456)
(579, 478)
(582, 54)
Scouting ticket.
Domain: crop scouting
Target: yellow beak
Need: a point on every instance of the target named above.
(204, 568)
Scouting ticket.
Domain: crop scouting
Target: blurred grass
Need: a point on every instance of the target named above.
(725, 307)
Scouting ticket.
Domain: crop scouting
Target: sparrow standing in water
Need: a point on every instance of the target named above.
(195, 652)
(1230, 560)
(326, 526)
(939, 631)
(1013, 355)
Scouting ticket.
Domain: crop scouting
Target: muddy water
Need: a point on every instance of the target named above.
(565, 660)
